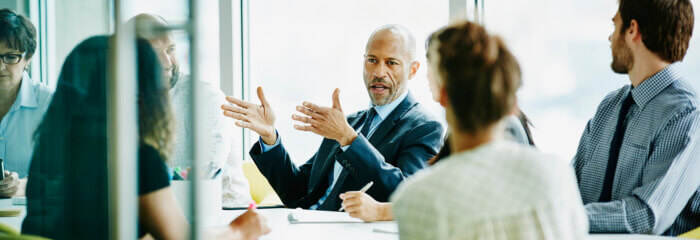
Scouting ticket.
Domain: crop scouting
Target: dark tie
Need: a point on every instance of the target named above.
(606, 194)
(369, 117)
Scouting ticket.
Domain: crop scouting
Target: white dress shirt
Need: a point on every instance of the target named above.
(219, 132)
(500, 190)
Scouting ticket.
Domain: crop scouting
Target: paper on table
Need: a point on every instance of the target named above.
(309, 216)
(19, 200)
(10, 212)
(391, 228)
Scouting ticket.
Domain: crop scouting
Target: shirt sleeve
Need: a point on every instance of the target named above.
(266, 147)
(670, 179)
(153, 173)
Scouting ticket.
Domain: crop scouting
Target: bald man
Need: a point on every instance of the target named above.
(384, 144)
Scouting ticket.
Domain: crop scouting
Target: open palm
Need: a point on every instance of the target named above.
(258, 118)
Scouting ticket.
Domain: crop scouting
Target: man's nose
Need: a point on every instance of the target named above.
(379, 72)
(165, 60)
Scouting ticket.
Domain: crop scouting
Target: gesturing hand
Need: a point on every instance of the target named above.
(327, 122)
(258, 118)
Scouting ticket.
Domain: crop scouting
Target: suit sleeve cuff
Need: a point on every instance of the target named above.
(266, 147)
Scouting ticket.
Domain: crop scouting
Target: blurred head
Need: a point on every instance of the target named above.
(156, 30)
(389, 63)
(81, 96)
(479, 76)
(17, 45)
(665, 27)
(433, 82)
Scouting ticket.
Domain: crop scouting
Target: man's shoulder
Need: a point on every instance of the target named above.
(678, 96)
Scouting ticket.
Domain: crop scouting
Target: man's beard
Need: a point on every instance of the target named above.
(175, 76)
(622, 57)
(387, 98)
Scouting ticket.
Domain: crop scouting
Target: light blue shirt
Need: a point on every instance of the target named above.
(382, 113)
(19, 124)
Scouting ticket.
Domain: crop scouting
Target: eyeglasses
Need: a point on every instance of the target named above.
(11, 59)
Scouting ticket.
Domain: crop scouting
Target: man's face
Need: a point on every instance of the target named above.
(165, 49)
(621, 52)
(387, 67)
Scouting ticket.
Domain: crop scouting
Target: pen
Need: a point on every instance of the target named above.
(364, 189)
(216, 174)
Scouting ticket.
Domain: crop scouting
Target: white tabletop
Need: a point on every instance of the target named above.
(282, 229)
(15, 222)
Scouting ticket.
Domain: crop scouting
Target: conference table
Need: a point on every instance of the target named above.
(312, 225)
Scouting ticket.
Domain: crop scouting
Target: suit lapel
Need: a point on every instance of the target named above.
(322, 173)
(390, 121)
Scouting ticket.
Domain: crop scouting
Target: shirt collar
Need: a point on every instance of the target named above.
(383, 111)
(653, 85)
(26, 95)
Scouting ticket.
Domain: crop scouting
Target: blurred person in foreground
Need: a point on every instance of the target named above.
(67, 194)
(489, 187)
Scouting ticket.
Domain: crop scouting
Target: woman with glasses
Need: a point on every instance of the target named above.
(23, 101)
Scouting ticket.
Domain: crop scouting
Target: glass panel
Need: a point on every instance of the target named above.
(564, 53)
(302, 55)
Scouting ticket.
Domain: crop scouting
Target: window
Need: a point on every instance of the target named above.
(563, 49)
(302, 50)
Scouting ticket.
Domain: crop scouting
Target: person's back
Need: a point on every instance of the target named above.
(500, 190)
(488, 188)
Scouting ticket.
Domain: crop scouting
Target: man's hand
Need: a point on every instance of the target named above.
(258, 118)
(10, 185)
(327, 122)
(250, 225)
(362, 206)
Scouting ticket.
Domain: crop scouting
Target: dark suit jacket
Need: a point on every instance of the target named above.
(401, 145)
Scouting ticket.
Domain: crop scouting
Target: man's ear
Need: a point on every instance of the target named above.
(444, 100)
(414, 69)
(633, 32)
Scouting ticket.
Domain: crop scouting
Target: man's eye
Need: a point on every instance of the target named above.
(372, 60)
(393, 63)
(170, 50)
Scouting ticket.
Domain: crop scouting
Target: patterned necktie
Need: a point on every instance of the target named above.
(606, 194)
(368, 122)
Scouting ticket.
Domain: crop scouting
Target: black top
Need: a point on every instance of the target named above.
(62, 204)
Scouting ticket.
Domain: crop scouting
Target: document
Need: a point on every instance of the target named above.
(299, 215)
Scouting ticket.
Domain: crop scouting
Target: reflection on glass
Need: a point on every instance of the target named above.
(67, 187)
(218, 129)
(23, 100)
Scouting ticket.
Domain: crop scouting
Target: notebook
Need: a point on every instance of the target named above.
(298, 216)
(10, 212)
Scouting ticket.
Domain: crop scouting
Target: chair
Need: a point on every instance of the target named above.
(692, 234)
(260, 188)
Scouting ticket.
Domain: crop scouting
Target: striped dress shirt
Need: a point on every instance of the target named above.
(656, 179)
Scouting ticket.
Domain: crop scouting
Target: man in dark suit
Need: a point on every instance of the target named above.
(384, 144)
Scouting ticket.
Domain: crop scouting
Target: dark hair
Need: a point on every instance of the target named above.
(665, 25)
(480, 74)
(17, 32)
(70, 154)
